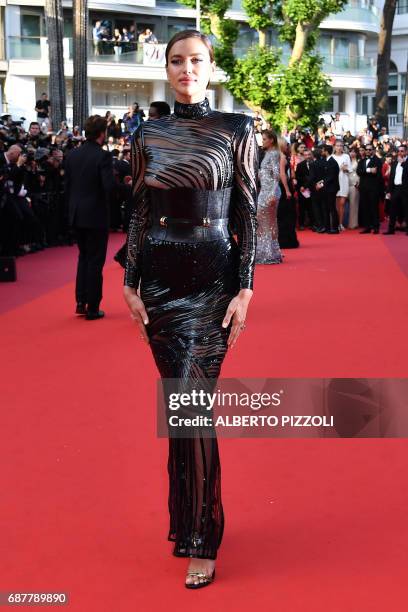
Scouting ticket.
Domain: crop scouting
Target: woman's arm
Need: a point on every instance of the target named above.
(283, 176)
(244, 219)
(140, 215)
(245, 199)
(137, 230)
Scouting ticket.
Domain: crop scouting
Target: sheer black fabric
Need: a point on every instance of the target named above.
(194, 157)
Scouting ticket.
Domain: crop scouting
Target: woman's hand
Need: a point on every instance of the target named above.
(237, 310)
(137, 310)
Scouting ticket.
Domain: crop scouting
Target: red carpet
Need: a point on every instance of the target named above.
(311, 525)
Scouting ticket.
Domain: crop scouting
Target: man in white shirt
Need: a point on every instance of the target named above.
(337, 126)
(398, 190)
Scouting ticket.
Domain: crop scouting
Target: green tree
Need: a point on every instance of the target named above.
(288, 90)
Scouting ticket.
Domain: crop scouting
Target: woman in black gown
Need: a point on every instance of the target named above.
(194, 180)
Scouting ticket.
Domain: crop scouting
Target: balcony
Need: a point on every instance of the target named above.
(36, 48)
(357, 15)
(103, 59)
(364, 66)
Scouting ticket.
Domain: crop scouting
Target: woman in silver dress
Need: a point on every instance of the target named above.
(272, 170)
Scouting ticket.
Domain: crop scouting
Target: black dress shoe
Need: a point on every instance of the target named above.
(333, 231)
(80, 308)
(91, 315)
(366, 231)
(389, 233)
(321, 230)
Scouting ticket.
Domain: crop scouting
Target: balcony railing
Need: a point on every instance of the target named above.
(361, 11)
(36, 48)
(148, 54)
(334, 64)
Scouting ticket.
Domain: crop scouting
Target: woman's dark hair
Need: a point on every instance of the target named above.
(95, 125)
(189, 34)
(271, 134)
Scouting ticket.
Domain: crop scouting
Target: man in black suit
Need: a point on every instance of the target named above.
(398, 189)
(370, 187)
(89, 183)
(330, 186)
(303, 187)
(316, 176)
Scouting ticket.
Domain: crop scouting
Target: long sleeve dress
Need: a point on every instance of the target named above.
(194, 185)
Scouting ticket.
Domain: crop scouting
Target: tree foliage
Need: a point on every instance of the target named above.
(299, 93)
(288, 94)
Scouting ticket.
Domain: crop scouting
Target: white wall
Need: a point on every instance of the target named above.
(20, 95)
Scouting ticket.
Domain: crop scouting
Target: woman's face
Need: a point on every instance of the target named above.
(189, 69)
(338, 148)
(267, 142)
(301, 149)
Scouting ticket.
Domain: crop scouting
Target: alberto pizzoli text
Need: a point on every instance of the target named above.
(252, 420)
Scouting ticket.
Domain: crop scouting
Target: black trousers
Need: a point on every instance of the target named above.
(318, 203)
(92, 245)
(305, 208)
(369, 204)
(398, 206)
(330, 215)
(19, 225)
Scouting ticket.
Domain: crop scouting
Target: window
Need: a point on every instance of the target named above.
(393, 81)
(402, 7)
(341, 47)
(178, 26)
(120, 94)
(329, 108)
(393, 105)
(30, 25)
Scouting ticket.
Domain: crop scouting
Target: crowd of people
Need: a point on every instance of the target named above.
(108, 40)
(327, 180)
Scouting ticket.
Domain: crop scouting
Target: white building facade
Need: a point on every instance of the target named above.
(347, 43)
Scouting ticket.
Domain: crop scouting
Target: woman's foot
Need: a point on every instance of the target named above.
(204, 566)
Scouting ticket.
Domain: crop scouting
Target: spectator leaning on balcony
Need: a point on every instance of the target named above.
(97, 37)
(117, 42)
(42, 108)
(150, 37)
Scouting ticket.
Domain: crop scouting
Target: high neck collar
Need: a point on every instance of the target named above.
(192, 111)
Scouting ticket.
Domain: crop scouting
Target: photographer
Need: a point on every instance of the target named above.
(35, 138)
(19, 224)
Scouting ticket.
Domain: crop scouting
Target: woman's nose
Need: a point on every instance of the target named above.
(188, 67)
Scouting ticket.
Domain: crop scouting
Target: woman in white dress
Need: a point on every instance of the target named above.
(354, 194)
(344, 162)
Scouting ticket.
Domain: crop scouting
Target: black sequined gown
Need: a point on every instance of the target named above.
(197, 163)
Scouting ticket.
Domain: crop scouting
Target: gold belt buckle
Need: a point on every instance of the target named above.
(206, 221)
(163, 221)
